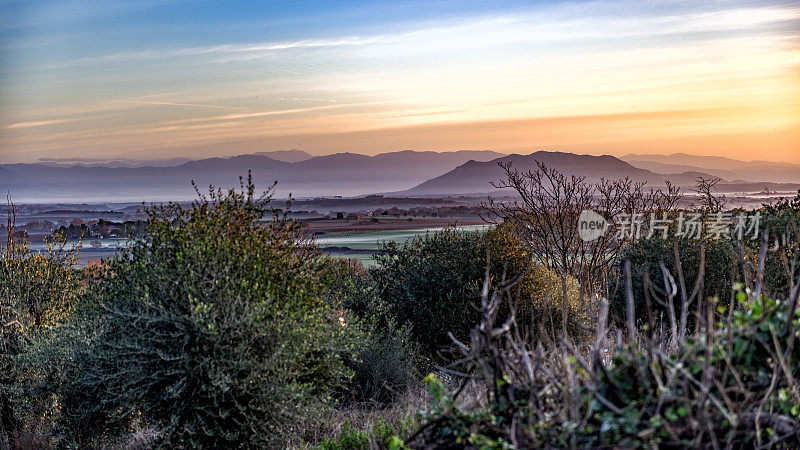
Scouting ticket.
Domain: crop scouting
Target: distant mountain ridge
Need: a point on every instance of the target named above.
(475, 177)
(722, 167)
(410, 173)
(114, 163)
(345, 174)
(721, 162)
(292, 155)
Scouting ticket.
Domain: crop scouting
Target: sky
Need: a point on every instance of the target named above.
(85, 80)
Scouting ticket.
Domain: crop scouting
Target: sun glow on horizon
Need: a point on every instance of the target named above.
(590, 77)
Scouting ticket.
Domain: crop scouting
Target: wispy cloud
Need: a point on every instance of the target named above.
(550, 60)
(535, 26)
(40, 123)
(198, 105)
(278, 112)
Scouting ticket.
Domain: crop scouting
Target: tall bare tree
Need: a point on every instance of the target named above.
(710, 201)
(546, 221)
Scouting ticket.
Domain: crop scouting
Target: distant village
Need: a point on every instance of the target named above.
(79, 229)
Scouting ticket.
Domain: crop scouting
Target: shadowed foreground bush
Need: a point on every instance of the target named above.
(782, 219)
(716, 270)
(731, 384)
(37, 292)
(432, 283)
(212, 329)
(385, 364)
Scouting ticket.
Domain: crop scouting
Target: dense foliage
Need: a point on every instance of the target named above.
(433, 284)
(37, 291)
(223, 326)
(211, 328)
(537, 300)
(782, 219)
(385, 364)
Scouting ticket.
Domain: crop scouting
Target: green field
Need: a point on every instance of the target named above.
(362, 244)
(369, 241)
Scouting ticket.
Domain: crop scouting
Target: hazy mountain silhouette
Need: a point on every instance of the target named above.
(726, 168)
(7, 177)
(119, 162)
(346, 174)
(475, 177)
(338, 174)
(292, 155)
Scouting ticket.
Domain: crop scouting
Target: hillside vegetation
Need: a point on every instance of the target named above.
(219, 329)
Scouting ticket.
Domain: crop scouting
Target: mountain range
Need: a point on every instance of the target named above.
(297, 172)
(725, 168)
(409, 173)
(280, 155)
(474, 177)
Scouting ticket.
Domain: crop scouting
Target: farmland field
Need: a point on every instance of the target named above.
(362, 246)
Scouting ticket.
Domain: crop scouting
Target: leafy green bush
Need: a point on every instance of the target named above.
(349, 438)
(432, 282)
(213, 328)
(37, 292)
(386, 362)
(378, 434)
(741, 354)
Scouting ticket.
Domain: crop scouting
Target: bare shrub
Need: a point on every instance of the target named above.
(546, 221)
(709, 201)
(732, 382)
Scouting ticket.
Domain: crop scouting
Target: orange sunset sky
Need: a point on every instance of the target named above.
(160, 79)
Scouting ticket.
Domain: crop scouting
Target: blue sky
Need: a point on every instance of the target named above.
(143, 79)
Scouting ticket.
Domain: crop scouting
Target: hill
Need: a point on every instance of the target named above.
(475, 177)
